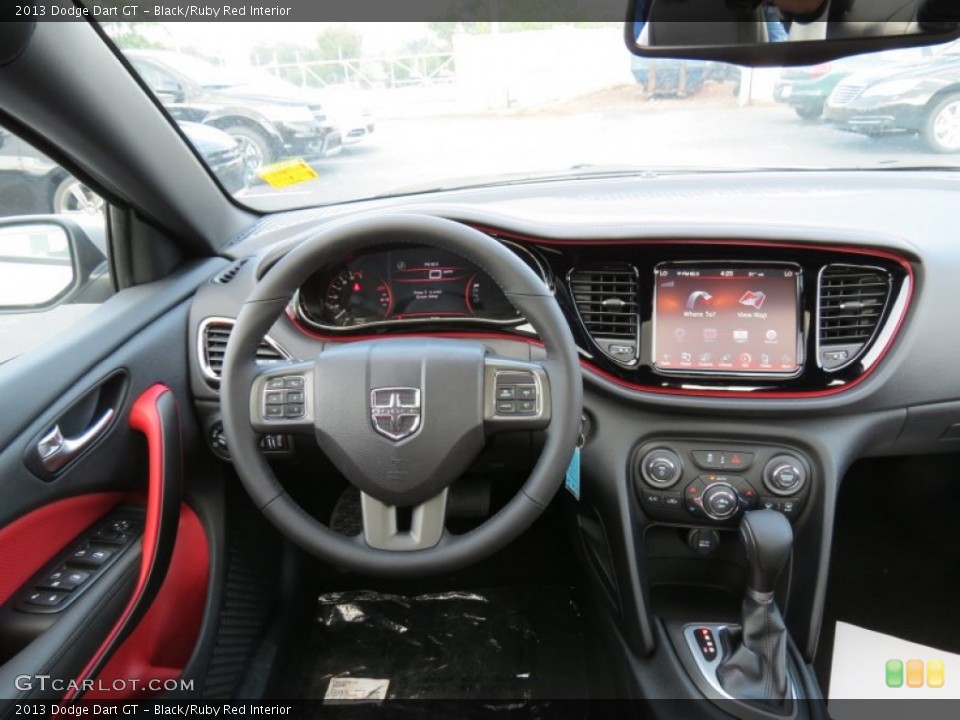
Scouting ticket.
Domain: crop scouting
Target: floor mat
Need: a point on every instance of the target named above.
(522, 643)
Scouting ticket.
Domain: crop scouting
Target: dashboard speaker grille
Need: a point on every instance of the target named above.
(214, 336)
(852, 302)
(606, 297)
(231, 272)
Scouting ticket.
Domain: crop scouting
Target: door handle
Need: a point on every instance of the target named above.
(55, 450)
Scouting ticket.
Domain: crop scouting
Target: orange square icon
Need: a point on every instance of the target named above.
(914, 673)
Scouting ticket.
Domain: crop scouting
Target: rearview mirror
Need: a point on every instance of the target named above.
(785, 32)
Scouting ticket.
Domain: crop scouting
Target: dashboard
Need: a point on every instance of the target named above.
(843, 231)
(661, 315)
(743, 341)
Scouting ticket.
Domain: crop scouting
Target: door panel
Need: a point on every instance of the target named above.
(162, 643)
(141, 331)
(115, 627)
(31, 541)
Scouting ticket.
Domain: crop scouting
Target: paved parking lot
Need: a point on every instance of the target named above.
(409, 152)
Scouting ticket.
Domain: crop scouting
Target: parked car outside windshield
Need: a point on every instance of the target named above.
(920, 99)
(268, 118)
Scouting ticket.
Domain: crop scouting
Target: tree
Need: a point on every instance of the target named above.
(288, 56)
(128, 35)
(340, 42)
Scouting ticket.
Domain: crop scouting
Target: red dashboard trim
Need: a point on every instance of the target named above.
(827, 247)
(759, 394)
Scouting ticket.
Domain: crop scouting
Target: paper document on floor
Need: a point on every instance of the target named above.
(872, 665)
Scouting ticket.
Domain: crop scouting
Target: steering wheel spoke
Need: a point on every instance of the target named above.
(383, 530)
(516, 395)
(282, 399)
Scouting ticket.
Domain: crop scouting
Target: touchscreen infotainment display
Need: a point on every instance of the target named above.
(726, 319)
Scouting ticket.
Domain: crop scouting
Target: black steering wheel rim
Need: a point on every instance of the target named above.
(522, 287)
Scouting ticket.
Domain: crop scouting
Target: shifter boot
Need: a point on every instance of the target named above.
(755, 667)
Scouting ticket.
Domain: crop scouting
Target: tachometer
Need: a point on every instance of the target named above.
(405, 284)
(352, 298)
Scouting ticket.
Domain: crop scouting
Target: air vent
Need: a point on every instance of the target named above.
(231, 272)
(214, 335)
(607, 300)
(853, 300)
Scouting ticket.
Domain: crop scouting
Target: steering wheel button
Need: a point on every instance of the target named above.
(506, 407)
(295, 396)
(294, 411)
(274, 398)
(293, 382)
(506, 392)
(527, 392)
(527, 406)
(273, 411)
(275, 384)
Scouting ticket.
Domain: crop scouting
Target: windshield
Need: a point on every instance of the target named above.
(324, 113)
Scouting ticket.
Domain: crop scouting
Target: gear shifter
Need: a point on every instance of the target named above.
(755, 667)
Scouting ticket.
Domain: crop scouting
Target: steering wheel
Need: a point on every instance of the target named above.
(402, 418)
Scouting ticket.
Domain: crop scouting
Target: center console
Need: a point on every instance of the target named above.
(723, 540)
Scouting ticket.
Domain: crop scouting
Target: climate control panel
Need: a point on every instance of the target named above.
(715, 483)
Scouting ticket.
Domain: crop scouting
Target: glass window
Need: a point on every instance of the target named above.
(374, 109)
(52, 273)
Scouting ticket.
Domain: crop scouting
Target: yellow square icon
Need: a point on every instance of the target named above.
(935, 673)
(914, 673)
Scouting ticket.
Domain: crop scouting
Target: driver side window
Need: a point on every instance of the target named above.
(53, 268)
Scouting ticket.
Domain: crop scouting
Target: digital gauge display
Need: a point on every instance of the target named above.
(404, 285)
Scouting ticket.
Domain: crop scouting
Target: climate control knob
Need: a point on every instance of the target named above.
(661, 468)
(720, 501)
(784, 475)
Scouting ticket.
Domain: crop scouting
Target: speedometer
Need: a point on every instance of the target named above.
(404, 284)
(351, 298)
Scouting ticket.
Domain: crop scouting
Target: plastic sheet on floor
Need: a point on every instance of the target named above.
(522, 645)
